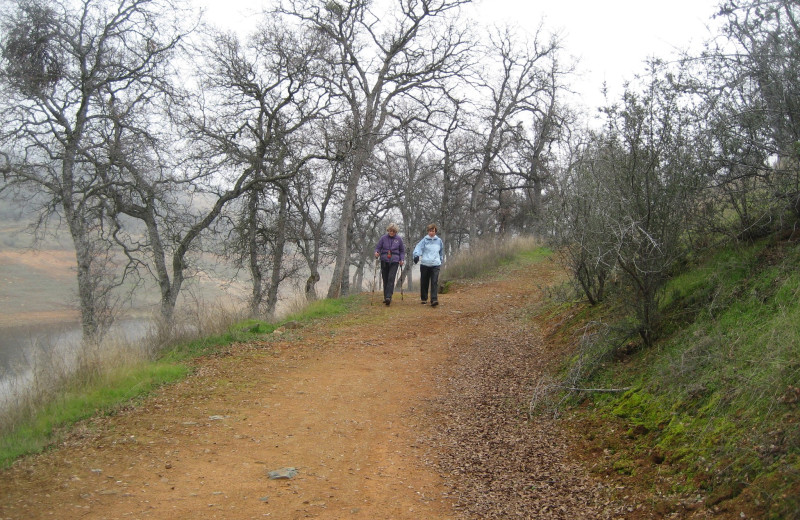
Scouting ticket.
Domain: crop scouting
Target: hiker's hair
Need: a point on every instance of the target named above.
(393, 227)
(431, 226)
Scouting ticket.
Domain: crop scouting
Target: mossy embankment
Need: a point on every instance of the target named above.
(711, 411)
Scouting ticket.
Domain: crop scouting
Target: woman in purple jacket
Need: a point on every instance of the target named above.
(392, 252)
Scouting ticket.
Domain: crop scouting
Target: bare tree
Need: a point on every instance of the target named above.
(520, 80)
(455, 152)
(312, 197)
(380, 59)
(412, 181)
(258, 243)
(268, 95)
(748, 79)
(534, 152)
(236, 138)
(580, 218)
(766, 39)
(279, 270)
(66, 67)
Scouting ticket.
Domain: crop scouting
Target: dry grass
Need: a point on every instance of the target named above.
(485, 256)
(50, 370)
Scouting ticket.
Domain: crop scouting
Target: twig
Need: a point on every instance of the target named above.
(571, 389)
(543, 391)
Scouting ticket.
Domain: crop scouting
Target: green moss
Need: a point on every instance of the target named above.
(712, 397)
(624, 466)
(641, 408)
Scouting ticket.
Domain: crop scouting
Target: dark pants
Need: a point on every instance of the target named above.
(429, 276)
(388, 274)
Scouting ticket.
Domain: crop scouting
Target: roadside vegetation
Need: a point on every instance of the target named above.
(707, 416)
(104, 383)
(486, 256)
(710, 410)
(117, 375)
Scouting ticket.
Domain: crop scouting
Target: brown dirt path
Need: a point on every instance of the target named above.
(352, 404)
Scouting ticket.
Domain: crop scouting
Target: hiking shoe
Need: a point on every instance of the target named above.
(423, 302)
(387, 301)
(434, 303)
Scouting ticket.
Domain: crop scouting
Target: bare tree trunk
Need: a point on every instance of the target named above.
(86, 291)
(358, 279)
(340, 268)
(257, 292)
(311, 282)
(475, 194)
(278, 250)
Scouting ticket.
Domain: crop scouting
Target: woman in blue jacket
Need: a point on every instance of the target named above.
(430, 254)
(392, 252)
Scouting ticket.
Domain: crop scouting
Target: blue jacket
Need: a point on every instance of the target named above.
(430, 251)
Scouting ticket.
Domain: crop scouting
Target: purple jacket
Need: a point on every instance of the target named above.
(393, 245)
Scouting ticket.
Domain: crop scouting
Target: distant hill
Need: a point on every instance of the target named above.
(37, 275)
(37, 279)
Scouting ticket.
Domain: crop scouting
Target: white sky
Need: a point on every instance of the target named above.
(611, 38)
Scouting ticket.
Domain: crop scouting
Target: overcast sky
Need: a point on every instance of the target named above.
(612, 38)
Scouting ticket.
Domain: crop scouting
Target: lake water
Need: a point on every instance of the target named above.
(30, 354)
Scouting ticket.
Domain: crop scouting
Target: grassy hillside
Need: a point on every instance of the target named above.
(712, 411)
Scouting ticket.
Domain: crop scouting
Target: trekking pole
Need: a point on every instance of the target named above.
(374, 279)
(402, 268)
(378, 268)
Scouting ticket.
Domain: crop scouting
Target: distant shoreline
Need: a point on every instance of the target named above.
(70, 317)
(21, 320)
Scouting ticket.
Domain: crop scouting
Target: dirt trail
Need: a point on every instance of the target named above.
(347, 403)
